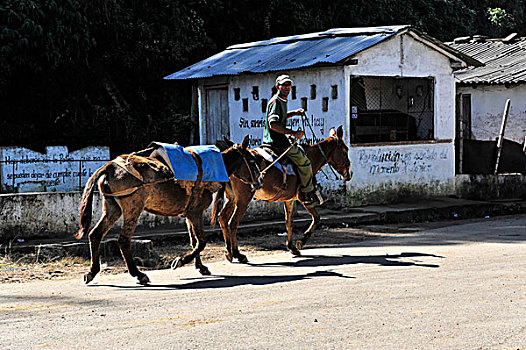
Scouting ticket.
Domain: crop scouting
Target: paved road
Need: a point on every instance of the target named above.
(456, 287)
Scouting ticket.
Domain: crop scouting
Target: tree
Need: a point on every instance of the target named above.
(81, 73)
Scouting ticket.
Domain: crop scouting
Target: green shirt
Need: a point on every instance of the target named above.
(276, 112)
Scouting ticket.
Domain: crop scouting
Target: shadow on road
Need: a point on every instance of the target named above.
(226, 281)
(381, 260)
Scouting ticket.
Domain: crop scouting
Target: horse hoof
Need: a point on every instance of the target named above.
(228, 257)
(204, 271)
(178, 262)
(144, 280)
(88, 278)
(299, 245)
(295, 252)
(242, 259)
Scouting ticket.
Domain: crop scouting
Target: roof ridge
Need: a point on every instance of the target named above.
(336, 32)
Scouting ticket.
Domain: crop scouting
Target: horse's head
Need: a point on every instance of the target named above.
(338, 157)
(243, 163)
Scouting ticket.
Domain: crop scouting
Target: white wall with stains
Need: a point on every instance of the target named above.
(487, 108)
(251, 122)
(425, 167)
(57, 170)
(381, 171)
(417, 169)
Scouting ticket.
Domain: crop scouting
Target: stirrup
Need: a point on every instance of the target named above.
(320, 197)
(314, 199)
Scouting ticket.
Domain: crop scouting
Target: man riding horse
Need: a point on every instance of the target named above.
(274, 136)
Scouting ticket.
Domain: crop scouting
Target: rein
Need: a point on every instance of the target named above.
(253, 181)
(305, 119)
(327, 160)
(277, 159)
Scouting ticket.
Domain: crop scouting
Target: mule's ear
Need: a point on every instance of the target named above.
(228, 142)
(339, 132)
(245, 142)
(332, 132)
(222, 145)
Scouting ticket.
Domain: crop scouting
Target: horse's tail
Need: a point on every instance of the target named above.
(217, 205)
(86, 203)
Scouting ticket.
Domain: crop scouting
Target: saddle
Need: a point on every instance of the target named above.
(194, 168)
(284, 164)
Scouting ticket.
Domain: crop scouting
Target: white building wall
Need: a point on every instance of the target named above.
(58, 170)
(415, 60)
(487, 108)
(425, 167)
(251, 122)
(383, 172)
(414, 168)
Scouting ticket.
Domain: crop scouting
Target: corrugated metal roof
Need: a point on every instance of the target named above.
(284, 53)
(505, 62)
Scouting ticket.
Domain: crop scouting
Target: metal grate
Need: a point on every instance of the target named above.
(385, 109)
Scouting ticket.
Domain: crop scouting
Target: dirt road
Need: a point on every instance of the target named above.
(453, 287)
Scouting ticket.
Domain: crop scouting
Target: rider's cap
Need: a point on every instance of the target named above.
(282, 79)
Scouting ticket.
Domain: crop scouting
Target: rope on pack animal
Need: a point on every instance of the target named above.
(131, 190)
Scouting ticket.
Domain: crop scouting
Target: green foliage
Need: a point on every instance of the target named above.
(90, 73)
(81, 73)
(500, 18)
(496, 15)
(42, 36)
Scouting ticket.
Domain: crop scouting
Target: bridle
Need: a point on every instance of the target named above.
(326, 156)
(252, 179)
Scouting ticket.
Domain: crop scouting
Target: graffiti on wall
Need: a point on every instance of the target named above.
(254, 128)
(384, 161)
(24, 170)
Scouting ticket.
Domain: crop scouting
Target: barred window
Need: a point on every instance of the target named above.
(313, 92)
(245, 105)
(325, 104)
(387, 109)
(264, 103)
(334, 92)
(255, 93)
(304, 103)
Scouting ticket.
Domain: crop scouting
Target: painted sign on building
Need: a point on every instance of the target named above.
(23, 170)
(415, 168)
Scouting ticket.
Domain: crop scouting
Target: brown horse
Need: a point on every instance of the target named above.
(239, 194)
(126, 195)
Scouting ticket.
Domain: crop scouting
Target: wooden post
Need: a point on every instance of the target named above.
(500, 140)
(460, 146)
(194, 116)
(80, 175)
(460, 133)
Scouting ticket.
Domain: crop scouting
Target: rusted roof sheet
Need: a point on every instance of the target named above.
(505, 62)
(334, 46)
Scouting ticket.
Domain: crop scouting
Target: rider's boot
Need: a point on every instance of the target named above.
(312, 199)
